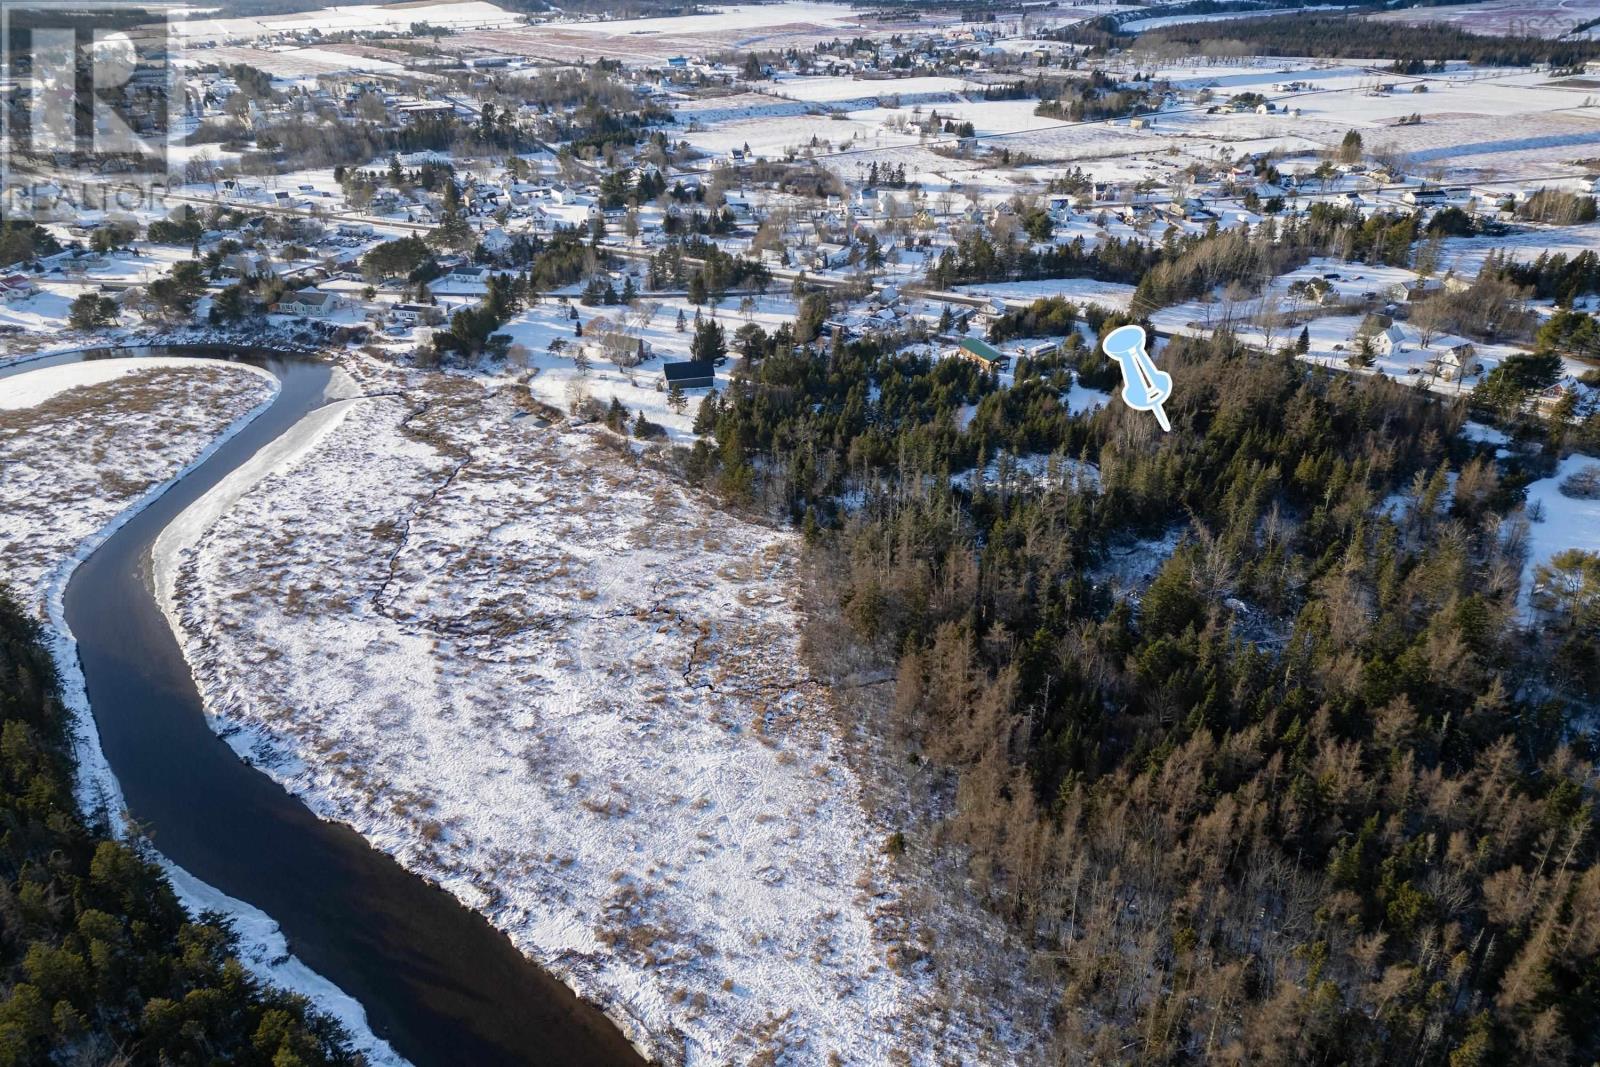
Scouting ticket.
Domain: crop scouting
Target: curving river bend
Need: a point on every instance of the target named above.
(438, 982)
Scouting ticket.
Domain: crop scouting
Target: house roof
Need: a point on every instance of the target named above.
(981, 349)
(688, 370)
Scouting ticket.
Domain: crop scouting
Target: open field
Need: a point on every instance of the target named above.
(533, 668)
(81, 442)
(1514, 18)
(652, 41)
(458, 15)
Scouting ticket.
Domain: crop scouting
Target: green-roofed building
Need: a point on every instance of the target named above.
(982, 352)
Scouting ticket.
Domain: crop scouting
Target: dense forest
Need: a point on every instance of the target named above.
(1338, 36)
(99, 963)
(1296, 784)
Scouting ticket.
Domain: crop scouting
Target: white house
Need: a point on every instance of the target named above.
(990, 312)
(1392, 341)
(1455, 357)
(310, 304)
(15, 287)
(417, 314)
(495, 240)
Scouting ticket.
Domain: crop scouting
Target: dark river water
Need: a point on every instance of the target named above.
(437, 981)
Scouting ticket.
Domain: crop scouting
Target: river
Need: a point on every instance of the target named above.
(439, 983)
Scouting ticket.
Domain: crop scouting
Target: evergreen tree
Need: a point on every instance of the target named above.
(709, 345)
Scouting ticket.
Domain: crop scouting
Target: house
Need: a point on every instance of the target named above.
(246, 265)
(690, 374)
(465, 280)
(1456, 358)
(981, 352)
(990, 313)
(1189, 210)
(309, 303)
(417, 314)
(1423, 195)
(496, 241)
(1410, 292)
(1392, 340)
(828, 254)
(16, 287)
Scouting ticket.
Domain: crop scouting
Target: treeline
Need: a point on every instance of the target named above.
(1552, 276)
(1241, 256)
(714, 273)
(99, 963)
(1341, 36)
(1557, 207)
(1305, 792)
(977, 258)
(1096, 97)
(22, 241)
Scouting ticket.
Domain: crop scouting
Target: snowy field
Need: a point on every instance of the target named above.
(1113, 296)
(652, 41)
(531, 666)
(741, 17)
(295, 63)
(1518, 18)
(458, 14)
(1562, 521)
(81, 442)
(1467, 254)
(834, 90)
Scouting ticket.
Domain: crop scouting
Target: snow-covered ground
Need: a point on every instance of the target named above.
(1559, 521)
(82, 447)
(733, 17)
(1113, 296)
(81, 442)
(454, 14)
(558, 380)
(529, 664)
(836, 89)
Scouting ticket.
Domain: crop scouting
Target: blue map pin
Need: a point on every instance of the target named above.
(1144, 388)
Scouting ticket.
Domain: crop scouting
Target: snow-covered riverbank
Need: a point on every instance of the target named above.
(85, 447)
